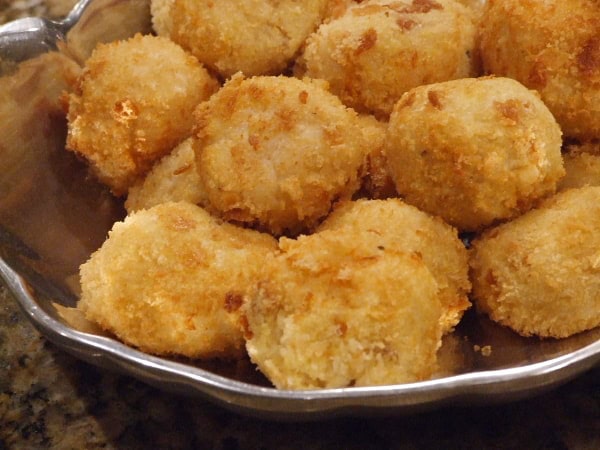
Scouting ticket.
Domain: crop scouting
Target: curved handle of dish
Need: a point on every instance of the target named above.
(75, 14)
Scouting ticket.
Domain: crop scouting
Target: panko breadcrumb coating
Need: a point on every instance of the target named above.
(582, 166)
(379, 49)
(539, 274)
(404, 228)
(173, 178)
(165, 276)
(338, 308)
(276, 152)
(256, 37)
(377, 182)
(160, 10)
(474, 151)
(552, 46)
(476, 6)
(133, 104)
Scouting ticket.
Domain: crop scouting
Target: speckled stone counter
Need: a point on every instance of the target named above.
(50, 400)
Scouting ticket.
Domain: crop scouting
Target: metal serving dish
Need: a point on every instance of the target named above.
(52, 217)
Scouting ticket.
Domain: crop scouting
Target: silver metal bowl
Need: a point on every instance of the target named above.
(53, 216)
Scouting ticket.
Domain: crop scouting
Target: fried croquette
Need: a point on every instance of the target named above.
(377, 181)
(256, 37)
(582, 166)
(473, 151)
(133, 104)
(404, 228)
(277, 152)
(379, 49)
(552, 46)
(338, 308)
(173, 178)
(165, 276)
(539, 274)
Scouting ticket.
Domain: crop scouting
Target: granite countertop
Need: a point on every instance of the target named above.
(49, 399)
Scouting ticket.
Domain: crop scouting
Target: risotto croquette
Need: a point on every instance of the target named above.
(379, 49)
(404, 228)
(276, 152)
(133, 104)
(173, 178)
(552, 46)
(474, 151)
(539, 273)
(256, 37)
(338, 308)
(163, 278)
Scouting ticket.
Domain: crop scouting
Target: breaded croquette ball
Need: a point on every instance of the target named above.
(552, 46)
(582, 166)
(256, 37)
(379, 49)
(404, 228)
(276, 152)
(473, 151)
(173, 178)
(165, 276)
(338, 308)
(539, 274)
(133, 104)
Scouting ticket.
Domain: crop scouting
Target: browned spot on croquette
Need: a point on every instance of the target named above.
(341, 327)
(233, 301)
(248, 334)
(510, 109)
(254, 141)
(124, 111)
(406, 24)
(538, 77)
(589, 57)
(367, 41)
(434, 99)
(303, 97)
(182, 169)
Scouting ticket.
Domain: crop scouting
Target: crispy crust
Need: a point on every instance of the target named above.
(338, 309)
(539, 273)
(133, 104)
(552, 46)
(474, 151)
(379, 49)
(406, 229)
(163, 278)
(276, 152)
